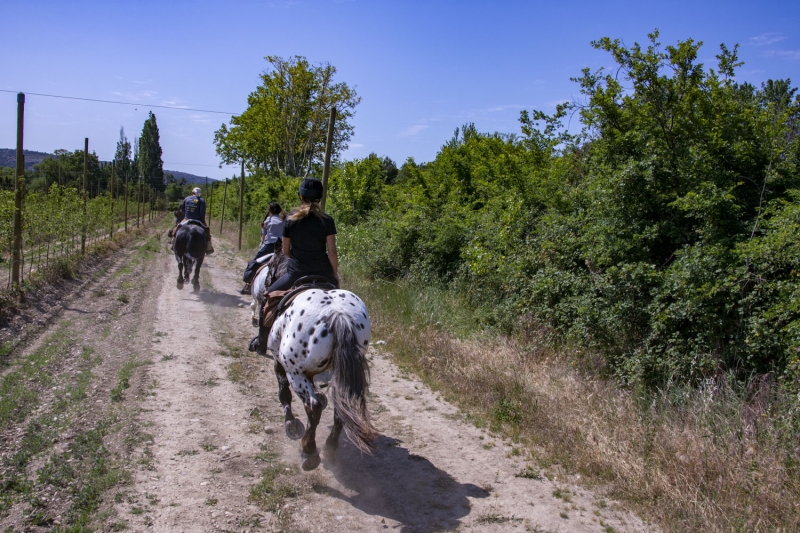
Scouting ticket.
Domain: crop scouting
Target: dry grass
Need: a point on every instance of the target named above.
(714, 459)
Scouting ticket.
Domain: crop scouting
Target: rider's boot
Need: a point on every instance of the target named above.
(258, 343)
(245, 289)
(173, 232)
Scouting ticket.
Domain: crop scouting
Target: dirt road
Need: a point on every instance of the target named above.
(191, 434)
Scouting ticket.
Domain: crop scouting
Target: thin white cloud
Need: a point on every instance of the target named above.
(355, 145)
(173, 102)
(783, 54)
(414, 130)
(495, 109)
(200, 118)
(766, 39)
(135, 96)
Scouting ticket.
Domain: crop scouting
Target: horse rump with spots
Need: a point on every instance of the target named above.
(324, 330)
(190, 250)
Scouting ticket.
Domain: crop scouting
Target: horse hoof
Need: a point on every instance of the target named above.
(180, 285)
(253, 346)
(295, 429)
(310, 462)
(254, 322)
(322, 399)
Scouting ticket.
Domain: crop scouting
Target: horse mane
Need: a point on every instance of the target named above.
(278, 264)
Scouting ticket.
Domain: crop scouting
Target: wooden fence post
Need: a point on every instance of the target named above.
(327, 168)
(126, 201)
(210, 201)
(85, 164)
(241, 206)
(18, 175)
(111, 234)
(224, 196)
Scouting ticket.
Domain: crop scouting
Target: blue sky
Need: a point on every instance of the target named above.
(421, 68)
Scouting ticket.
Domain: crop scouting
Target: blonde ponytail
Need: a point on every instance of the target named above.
(308, 206)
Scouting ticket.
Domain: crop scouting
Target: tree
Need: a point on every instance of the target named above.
(283, 128)
(67, 168)
(151, 167)
(122, 158)
(355, 188)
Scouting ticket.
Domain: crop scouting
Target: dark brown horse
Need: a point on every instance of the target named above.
(190, 250)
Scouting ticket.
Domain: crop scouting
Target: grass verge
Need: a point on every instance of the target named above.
(279, 484)
(713, 459)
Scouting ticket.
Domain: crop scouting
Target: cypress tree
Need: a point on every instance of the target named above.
(151, 167)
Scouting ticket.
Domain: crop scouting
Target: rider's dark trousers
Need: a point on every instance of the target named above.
(286, 281)
(252, 266)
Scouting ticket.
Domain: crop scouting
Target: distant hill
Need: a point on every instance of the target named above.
(8, 158)
(190, 178)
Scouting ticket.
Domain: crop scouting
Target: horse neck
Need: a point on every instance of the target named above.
(278, 264)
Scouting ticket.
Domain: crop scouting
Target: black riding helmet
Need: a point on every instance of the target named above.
(311, 188)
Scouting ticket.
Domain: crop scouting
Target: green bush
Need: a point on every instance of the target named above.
(663, 236)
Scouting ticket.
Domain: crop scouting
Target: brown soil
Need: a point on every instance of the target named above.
(200, 431)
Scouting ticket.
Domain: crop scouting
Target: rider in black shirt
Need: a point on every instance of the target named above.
(309, 240)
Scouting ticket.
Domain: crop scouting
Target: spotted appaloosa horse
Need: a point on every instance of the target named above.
(190, 250)
(324, 330)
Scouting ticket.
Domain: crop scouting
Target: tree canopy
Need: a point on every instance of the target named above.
(283, 129)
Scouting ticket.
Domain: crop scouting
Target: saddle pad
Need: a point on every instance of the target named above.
(270, 309)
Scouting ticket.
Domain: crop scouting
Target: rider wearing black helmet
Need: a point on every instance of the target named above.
(309, 240)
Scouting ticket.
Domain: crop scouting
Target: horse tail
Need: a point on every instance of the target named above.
(351, 383)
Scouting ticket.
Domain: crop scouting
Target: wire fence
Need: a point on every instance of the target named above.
(59, 224)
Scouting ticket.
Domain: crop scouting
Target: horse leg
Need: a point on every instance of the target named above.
(308, 445)
(253, 306)
(196, 278)
(294, 428)
(332, 442)
(314, 403)
(180, 271)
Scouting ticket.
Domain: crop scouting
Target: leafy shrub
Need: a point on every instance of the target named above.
(663, 236)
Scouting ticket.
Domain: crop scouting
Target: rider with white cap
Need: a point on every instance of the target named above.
(194, 208)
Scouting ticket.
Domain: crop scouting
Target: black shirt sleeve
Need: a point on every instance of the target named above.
(330, 226)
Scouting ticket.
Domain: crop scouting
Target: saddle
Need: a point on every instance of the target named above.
(276, 302)
(186, 221)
